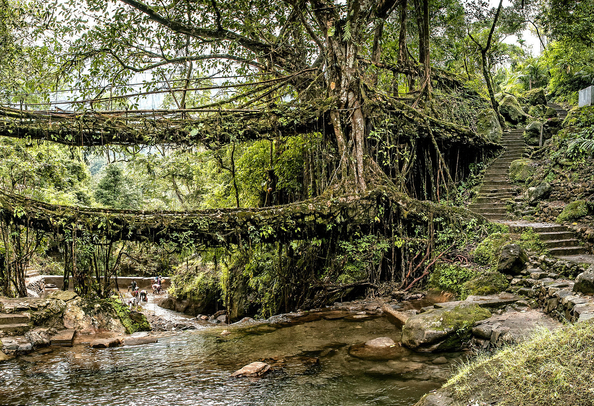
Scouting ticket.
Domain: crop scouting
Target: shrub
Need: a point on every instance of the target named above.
(451, 278)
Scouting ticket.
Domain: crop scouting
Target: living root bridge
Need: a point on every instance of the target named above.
(320, 217)
(163, 127)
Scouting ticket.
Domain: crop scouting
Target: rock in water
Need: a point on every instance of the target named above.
(106, 343)
(512, 259)
(442, 329)
(381, 342)
(382, 348)
(253, 369)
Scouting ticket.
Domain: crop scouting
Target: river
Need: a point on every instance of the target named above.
(194, 368)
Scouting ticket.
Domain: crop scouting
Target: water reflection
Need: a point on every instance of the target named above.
(193, 368)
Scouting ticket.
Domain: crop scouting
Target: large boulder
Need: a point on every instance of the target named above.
(512, 259)
(537, 193)
(521, 170)
(511, 110)
(443, 329)
(532, 133)
(536, 97)
(584, 283)
(488, 125)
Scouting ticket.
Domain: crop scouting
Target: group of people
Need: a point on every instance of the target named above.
(139, 296)
(157, 285)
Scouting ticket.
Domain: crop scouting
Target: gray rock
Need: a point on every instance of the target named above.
(536, 97)
(435, 399)
(512, 259)
(253, 369)
(511, 110)
(105, 343)
(539, 192)
(532, 133)
(584, 283)
(38, 337)
(442, 329)
(440, 361)
(488, 125)
(482, 331)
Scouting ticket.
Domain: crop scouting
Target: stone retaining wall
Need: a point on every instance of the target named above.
(123, 282)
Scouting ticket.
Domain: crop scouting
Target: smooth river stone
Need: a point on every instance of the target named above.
(253, 369)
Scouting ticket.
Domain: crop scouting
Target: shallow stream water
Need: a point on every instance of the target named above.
(194, 368)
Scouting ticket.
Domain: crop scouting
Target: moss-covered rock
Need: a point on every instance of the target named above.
(532, 133)
(50, 315)
(550, 112)
(487, 283)
(521, 170)
(536, 96)
(488, 125)
(580, 117)
(443, 329)
(132, 321)
(573, 211)
(511, 110)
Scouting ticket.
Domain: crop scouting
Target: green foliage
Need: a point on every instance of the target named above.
(360, 256)
(115, 190)
(44, 171)
(573, 211)
(452, 278)
(194, 279)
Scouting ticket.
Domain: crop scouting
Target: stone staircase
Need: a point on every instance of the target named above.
(559, 240)
(561, 112)
(496, 187)
(14, 324)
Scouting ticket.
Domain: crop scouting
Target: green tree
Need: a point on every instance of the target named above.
(115, 190)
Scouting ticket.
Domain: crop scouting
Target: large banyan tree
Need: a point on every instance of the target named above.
(279, 68)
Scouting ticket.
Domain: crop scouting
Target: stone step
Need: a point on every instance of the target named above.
(502, 189)
(558, 235)
(544, 229)
(484, 206)
(491, 211)
(562, 251)
(63, 338)
(571, 242)
(491, 200)
(14, 318)
(14, 329)
(493, 216)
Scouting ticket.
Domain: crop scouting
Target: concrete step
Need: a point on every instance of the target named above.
(571, 242)
(14, 318)
(14, 329)
(562, 251)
